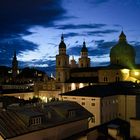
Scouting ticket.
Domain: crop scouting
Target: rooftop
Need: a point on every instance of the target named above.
(17, 121)
(121, 88)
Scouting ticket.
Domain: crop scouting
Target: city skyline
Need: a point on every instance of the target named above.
(34, 28)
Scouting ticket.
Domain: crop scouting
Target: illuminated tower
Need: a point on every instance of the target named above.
(84, 61)
(14, 66)
(122, 53)
(62, 63)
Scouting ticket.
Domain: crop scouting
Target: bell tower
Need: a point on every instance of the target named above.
(84, 61)
(62, 63)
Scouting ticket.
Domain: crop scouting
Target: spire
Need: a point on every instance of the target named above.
(122, 37)
(62, 44)
(84, 44)
(62, 37)
(14, 54)
(72, 57)
(84, 48)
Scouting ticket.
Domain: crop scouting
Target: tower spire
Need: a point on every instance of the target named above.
(122, 37)
(62, 37)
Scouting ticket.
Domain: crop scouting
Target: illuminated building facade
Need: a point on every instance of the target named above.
(71, 75)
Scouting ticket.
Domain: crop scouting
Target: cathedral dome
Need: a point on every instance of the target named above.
(122, 53)
(62, 44)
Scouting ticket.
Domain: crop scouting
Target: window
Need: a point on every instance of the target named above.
(93, 119)
(105, 79)
(58, 79)
(92, 104)
(71, 113)
(58, 63)
(117, 79)
(36, 120)
(83, 103)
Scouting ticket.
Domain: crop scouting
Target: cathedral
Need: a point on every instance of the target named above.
(71, 75)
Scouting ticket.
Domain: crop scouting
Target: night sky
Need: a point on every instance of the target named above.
(33, 28)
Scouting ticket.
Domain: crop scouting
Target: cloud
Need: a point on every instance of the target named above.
(8, 46)
(79, 26)
(17, 16)
(136, 46)
(74, 50)
(71, 34)
(97, 2)
(102, 32)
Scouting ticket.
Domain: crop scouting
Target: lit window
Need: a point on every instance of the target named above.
(73, 86)
(81, 85)
(136, 73)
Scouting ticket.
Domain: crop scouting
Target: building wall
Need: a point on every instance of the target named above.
(92, 104)
(55, 133)
(135, 128)
(113, 75)
(46, 95)
(1, 138)
(127, 106)
(135, 73)
(109, 108)
(24, 95)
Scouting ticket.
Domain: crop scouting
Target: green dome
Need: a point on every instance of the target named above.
(122, 53)
(122, 48)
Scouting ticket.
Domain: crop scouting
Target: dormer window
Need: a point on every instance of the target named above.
(71, 113)
(35, 120)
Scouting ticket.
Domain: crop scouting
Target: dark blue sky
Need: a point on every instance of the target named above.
(33, 28)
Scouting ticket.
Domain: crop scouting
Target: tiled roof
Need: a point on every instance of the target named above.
(15, 120)
(121, 88)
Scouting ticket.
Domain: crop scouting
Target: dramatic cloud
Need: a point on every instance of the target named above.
(17, 16)
(102, 32)
(8, 47)
(33, 28)
(71, 34)
(97, 2)
(80, 26)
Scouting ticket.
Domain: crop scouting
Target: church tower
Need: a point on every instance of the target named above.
(62, 63)
(84, 61)
(14, 66)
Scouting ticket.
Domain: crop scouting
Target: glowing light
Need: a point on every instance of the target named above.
(73, 86)
(125, 71)
(81, 85)
(136, 73)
